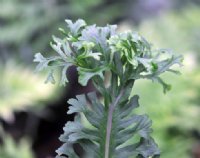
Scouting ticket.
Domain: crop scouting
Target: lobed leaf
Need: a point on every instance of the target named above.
(93, 140)
(75, 27)
(126, 57)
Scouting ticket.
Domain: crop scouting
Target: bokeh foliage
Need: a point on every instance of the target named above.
(27, 26)
(175, 115)
(18, 92)
(12, 149)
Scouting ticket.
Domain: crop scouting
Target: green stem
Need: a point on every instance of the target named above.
(109, 122)
(99, 85)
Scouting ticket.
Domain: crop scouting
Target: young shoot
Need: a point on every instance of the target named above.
(126, 57)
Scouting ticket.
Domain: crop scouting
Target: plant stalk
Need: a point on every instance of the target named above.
(109, 122)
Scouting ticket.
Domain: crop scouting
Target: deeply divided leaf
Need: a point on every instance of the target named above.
(113, 62)
(125, 126)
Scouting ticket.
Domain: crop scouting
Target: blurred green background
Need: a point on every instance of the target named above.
(29, 108)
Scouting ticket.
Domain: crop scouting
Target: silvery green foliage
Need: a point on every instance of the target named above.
(127, 57)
